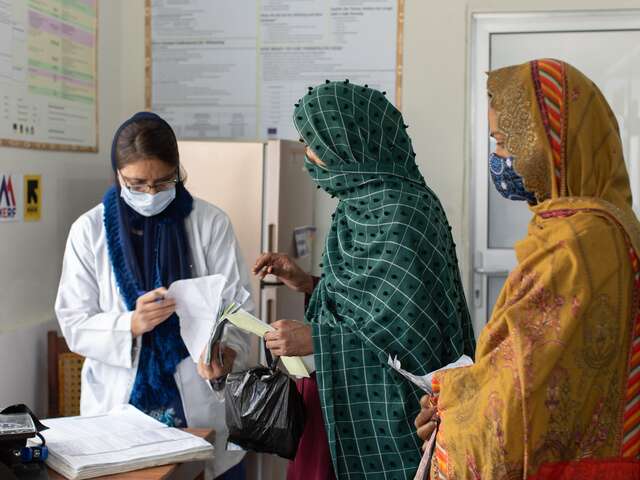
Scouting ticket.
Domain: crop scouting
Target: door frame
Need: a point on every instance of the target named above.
(487, 262)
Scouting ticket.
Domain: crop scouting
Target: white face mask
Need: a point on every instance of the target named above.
(148, 204)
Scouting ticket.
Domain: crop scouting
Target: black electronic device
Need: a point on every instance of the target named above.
(18, 459)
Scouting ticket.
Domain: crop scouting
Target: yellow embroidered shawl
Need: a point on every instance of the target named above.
(552, 378)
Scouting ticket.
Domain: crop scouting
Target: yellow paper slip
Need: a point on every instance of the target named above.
(247, 322)
(295, 366)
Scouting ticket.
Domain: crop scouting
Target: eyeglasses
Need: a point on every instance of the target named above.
(147, 187)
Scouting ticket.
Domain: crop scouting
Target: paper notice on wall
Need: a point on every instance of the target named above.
(48, 75)
(205, 66)
(223, 69)
(304, 43)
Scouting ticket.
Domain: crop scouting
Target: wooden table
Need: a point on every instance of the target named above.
(175, 471)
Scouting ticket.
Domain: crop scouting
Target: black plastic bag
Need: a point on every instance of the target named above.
(264, 410)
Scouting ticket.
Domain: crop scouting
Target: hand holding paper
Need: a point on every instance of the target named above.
(199, 305)
(424, 382)
(244, 320)
(290, 338)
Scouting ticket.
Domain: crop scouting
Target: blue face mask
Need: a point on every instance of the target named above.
(507, 181)
(147, 204)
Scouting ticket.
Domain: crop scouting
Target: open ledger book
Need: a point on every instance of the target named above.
(123, 440)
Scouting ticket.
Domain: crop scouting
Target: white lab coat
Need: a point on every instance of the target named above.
(96, 324)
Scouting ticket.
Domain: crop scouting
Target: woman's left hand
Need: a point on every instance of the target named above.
(291, 338)
(215, 370)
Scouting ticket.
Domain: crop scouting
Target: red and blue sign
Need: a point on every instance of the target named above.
(8, 205)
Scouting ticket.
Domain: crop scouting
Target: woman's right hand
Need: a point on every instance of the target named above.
(427, 419)
(152, 309)
(283, 267)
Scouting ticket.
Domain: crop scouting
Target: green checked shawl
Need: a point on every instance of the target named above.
(390, 282)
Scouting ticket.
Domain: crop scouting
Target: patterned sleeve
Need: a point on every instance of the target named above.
(307, 296)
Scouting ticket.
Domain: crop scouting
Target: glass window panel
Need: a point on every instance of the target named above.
(494, 286)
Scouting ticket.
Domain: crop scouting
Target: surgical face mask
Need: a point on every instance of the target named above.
(507, 181)
(148, 204)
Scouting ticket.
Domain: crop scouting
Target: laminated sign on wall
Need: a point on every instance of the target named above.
(32, 198)
(10, 197)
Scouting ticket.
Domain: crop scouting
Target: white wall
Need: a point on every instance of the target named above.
(32, 253)
(435, 99)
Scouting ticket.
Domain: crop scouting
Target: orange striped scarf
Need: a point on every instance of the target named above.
(549, 81)
(631, 418)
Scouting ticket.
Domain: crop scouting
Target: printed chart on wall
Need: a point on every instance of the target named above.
(220, 69)
(48, 79)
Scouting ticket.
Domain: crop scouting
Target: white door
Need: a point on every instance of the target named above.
(605, 46)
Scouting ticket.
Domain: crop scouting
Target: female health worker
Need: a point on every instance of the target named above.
(121, 255)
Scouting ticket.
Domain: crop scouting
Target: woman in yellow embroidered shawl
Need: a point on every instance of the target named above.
(557, 372)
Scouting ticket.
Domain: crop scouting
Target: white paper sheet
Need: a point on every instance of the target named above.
(424, 382)
(198, 304)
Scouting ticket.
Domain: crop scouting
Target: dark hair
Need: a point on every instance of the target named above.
(146, 138)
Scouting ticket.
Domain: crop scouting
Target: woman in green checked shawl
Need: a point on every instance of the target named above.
(390, 284)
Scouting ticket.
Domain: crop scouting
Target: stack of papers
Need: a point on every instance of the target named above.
(123, 440)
